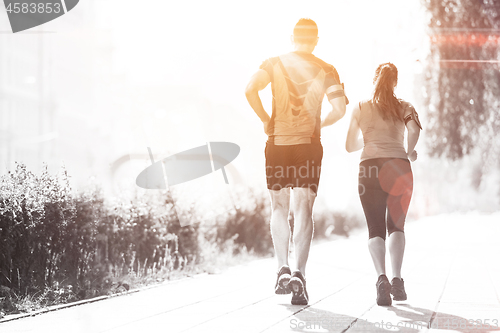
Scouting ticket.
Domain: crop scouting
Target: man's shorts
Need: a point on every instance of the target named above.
(293, 166)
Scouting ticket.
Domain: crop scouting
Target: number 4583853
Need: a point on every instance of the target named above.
(32, 8)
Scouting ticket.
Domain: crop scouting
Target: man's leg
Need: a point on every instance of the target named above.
(303, 199)
(280, 230)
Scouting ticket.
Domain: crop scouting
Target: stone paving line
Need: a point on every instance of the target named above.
(451, 272)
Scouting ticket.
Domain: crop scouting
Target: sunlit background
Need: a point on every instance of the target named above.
(96, 87)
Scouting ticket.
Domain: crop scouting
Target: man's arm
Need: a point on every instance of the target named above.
(337, 99)
(258, 82)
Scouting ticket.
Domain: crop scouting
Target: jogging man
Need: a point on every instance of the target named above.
(293, 151)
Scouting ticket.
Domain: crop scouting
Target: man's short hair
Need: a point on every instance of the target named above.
(305, 31)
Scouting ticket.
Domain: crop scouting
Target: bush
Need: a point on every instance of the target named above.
(247, 225)
(34, 216)
(328, 223)
(51, 236)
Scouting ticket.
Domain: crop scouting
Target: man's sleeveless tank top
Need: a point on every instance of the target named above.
(299, 81)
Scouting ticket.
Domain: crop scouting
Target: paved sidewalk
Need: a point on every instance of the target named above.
(451, 272)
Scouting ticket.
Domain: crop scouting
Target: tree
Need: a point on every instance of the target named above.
(462, 78)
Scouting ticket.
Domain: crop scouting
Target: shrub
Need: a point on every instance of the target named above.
(49, 235)
(248, 225)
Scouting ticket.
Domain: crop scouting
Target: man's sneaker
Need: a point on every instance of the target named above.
(298, 286)
(284, 276)
(383, 291)
(398, 289)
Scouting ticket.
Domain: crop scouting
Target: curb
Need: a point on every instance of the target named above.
(53, 308)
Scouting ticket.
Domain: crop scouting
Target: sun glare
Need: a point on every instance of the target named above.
(208, 52)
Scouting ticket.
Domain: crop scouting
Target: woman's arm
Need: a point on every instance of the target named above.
(413, 135)
(354, 142)
(414, 127)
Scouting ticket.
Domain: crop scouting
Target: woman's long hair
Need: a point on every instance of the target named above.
(386, 78)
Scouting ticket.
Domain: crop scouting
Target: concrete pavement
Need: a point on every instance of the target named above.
(451, 272)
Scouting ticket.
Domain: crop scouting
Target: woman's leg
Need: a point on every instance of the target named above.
(397, 208)
(397, 250)
(374, 201)
(376, 245)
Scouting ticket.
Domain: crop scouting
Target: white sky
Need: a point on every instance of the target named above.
(170, 41)
(214, 47)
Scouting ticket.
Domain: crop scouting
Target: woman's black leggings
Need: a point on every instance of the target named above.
(385, 185)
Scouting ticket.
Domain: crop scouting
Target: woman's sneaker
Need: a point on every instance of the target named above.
(383, 291)
(298, 286)
(398, 289)
(282, 281)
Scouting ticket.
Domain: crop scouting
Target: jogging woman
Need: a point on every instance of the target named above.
(385, 176)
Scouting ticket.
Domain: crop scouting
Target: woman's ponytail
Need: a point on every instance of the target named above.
(386, 78)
